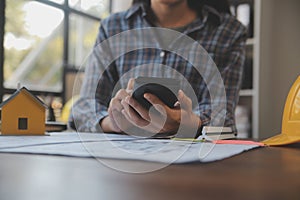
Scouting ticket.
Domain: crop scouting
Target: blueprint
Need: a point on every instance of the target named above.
(114, 146)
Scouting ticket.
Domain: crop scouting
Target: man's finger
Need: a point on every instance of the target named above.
(115, 104)
(157, 103)
(113, 122)
(145, 125)
(185, 101)
(154, 124)
(134, 117)
(130, 84)
(121, 94)
(121, 121)
(138, 108)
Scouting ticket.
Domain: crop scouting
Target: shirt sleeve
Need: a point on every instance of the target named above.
(231, 72)
(96, 89)
(232, 77)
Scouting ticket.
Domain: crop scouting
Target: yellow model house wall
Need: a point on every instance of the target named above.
(23, 106)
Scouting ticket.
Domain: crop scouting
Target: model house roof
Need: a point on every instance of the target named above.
(24, 89)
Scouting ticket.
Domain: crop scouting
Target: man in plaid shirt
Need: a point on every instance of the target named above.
(128, 46)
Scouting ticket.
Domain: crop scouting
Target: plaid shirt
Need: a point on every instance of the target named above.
(116, 59)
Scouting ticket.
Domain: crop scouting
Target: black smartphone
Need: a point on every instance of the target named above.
(165, 89)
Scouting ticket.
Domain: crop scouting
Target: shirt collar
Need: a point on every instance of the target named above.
(211, 14)
(136, 8)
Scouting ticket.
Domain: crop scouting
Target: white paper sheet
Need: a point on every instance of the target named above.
(120, 147)
(56, 138)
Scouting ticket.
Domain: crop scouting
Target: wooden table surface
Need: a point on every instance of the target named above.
(264, 173)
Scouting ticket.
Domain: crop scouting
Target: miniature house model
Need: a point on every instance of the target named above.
(23, 113)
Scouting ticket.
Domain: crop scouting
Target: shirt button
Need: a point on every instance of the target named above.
(162, 54)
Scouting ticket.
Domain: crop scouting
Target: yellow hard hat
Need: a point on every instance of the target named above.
(290, 130)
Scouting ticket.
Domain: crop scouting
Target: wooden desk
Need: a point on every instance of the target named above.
(266, 173)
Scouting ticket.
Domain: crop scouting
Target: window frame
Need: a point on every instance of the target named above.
(67, 67)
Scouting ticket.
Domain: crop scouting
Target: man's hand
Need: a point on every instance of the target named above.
(115, 121)
(160, 118)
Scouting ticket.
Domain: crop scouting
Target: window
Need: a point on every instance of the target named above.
(42, 41)
(23, 124)
(30, 35)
